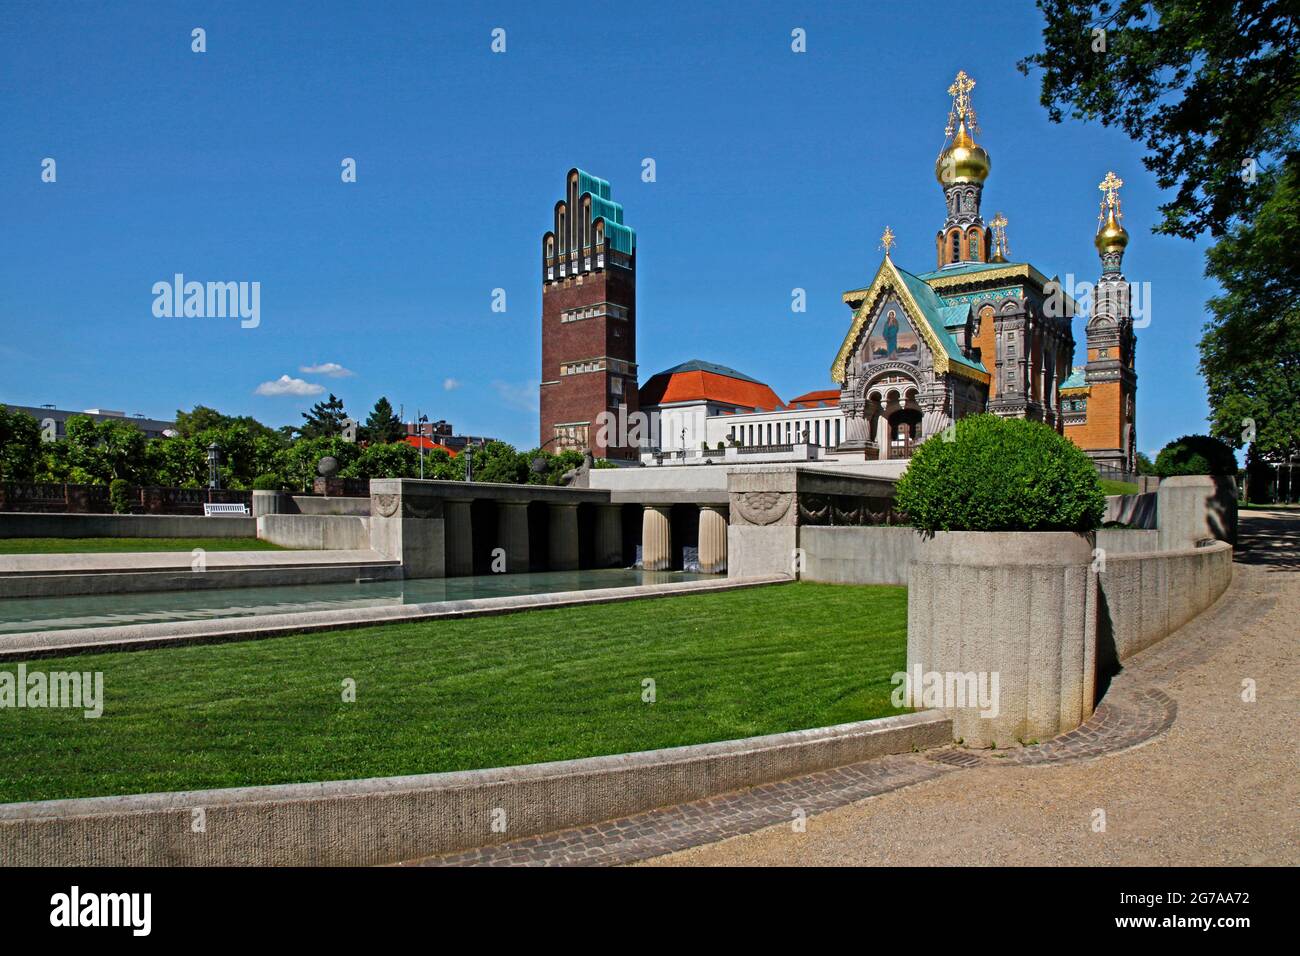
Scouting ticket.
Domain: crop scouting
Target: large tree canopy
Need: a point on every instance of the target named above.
(1212, 89)
(1206, 85)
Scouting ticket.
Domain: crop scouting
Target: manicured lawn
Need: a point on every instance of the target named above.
(1109, 487)
(455, 695)
(101, 545)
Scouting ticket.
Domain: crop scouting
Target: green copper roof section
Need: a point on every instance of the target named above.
(1078, 378)
(610, 210)
(621, 237)
(588, 183)
(933, 309)
(954, 316)
(968, 268)
(699, 365)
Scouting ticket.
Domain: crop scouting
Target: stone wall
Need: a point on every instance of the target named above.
(1146, 597)
(391, 819)
(19, 525)
(315, 532)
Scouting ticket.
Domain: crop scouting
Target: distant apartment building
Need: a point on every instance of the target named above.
(152, 427)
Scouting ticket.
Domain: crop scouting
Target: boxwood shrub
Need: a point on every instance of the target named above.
(1001, 474)
(1196, 455)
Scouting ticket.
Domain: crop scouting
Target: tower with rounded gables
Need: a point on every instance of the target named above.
(588, 322)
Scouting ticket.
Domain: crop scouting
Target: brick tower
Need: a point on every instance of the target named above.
(1107, 397)
(588, 320)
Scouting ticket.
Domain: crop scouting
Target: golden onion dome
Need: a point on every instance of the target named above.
(1111, 237)
(964, 161)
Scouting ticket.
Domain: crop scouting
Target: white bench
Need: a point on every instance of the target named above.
(210, 509)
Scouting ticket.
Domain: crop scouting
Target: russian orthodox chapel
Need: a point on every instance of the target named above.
(983, 333)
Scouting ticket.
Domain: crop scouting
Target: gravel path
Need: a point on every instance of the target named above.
(1220, 787)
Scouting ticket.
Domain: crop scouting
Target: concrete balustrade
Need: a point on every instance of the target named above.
(713, 539)
(656, 538)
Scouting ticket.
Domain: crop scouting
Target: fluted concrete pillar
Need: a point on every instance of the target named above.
(512, 535)
(459, 537)
(713, 539)
(562, 537)
(656, 538)
(609, 536)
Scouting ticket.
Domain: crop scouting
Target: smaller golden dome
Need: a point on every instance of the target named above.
(965, 161)
(1111, 237)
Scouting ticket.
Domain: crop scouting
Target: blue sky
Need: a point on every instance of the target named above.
(774, 170)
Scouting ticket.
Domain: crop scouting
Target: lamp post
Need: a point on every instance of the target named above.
(422, 420)
(214, 461)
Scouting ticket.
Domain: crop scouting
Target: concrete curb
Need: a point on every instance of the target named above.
(30, 645)
(391, 819)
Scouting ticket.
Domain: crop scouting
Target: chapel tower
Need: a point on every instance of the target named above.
(961, 169)
(1109, 432)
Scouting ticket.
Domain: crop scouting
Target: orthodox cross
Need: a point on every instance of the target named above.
(961, 108)
(1000, 235)
(1110, 192)
(887, 241)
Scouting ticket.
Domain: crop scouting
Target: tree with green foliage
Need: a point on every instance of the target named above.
(1196, 455)
(1250, 352)
(299, 461)
(1000, 474)
(383, 425)
(20, 446)
(100, 451)
(387, 460)
(324, 419)
(1212, 89)
(500, 462)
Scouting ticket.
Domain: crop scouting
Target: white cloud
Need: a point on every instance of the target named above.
(450, 384)
(521, 396)
(284, 385)
(332, 369)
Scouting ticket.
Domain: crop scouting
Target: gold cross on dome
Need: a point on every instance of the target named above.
(887, 241)
(999, 225)
(1110, 189)
(961, 108)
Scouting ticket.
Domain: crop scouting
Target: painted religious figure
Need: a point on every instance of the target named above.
(892, 339)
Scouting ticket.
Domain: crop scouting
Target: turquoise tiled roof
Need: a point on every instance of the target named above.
(968, 268)
(933, 311)
(1077, 379)
(955, 316)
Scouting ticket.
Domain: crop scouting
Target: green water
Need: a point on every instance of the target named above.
(109, 610)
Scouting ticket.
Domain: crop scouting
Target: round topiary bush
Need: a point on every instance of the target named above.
(267, 483)
(1196, 455)
(1001, 474)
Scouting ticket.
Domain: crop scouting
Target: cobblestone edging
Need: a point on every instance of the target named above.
(1135, 711)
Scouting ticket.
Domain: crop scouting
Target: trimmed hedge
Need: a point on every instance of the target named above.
(1001, 474)
(1196, 455)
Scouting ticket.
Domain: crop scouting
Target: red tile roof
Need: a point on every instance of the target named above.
(705, 384)
(415, 441)
(831, 396)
